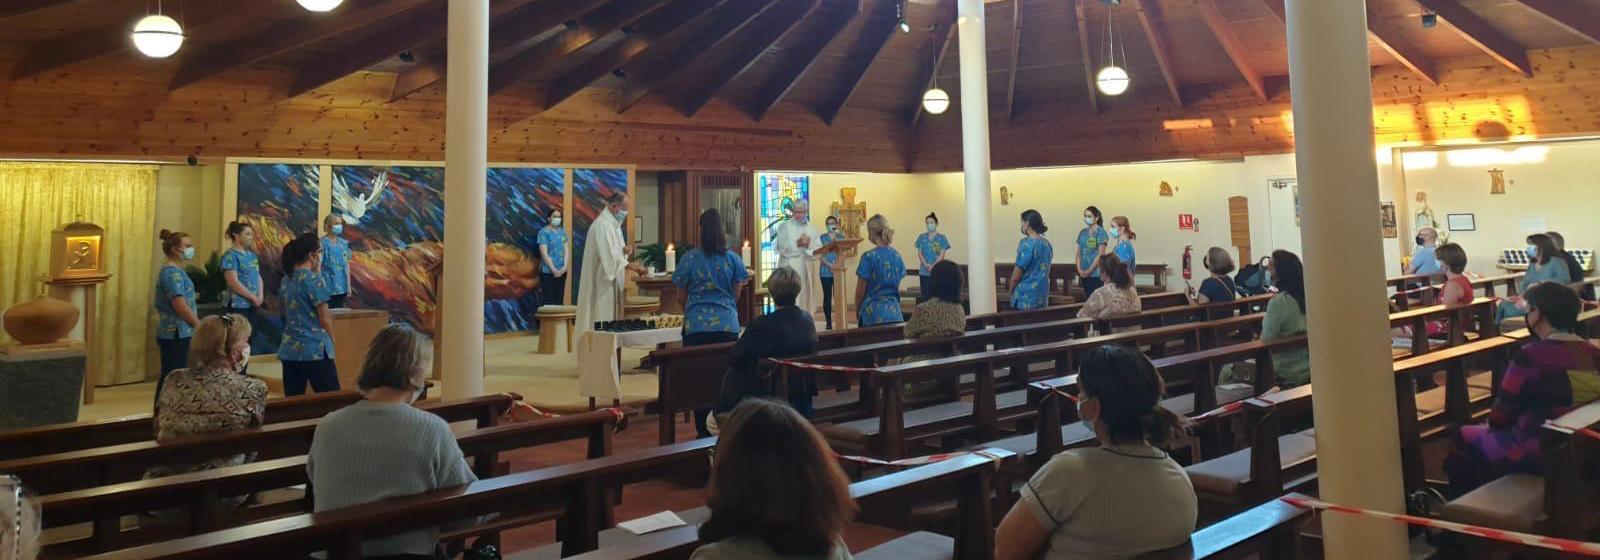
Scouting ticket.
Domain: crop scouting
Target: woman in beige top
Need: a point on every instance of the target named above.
(776, 491)
(213, 396)
(1119, 500)
(1118, 297)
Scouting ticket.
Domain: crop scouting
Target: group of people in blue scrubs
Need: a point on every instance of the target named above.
(316, 279)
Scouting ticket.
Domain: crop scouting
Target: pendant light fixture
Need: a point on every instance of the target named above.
(1113, 79)
(900, 14)
(320, 5)
(935, 101)
(157, 35)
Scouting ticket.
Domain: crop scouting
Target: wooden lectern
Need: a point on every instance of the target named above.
(844, 248)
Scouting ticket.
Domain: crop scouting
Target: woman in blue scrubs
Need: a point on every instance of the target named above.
(1091, 239)
(1030, 278)
(880, 273)
(174, 302)
(710, 275)
(307, 349)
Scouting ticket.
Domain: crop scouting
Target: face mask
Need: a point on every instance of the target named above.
(833, 227)
(1024, 229)
(556, 221)
(1116, 232)
(1532, 323)
(1533, 252)
(932, 227)
(1419, 241)
(1266, 276)
(337, 229)
(1087, 422)
(188, 253)
(244, 360)
(803, 219)
(417, 394)
(622, 215)
(1088, 220)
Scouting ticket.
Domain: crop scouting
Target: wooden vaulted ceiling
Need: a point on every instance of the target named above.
(753, 55)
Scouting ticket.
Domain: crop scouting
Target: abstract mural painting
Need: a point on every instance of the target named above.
(519, 203)
(394, 221)
(278, 201)
(590, 189)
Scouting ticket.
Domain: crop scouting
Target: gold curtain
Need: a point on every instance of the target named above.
(37, 198)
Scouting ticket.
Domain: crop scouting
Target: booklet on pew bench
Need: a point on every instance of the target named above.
(652, 523)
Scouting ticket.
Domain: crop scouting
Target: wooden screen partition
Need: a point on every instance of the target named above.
(684, 196)
(1239, 223)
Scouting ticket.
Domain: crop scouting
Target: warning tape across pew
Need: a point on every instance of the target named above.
(1540, 541)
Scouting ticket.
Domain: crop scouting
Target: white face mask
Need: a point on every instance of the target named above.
(556, 221)
(188, 253)
(1087, 422)
(244, 360)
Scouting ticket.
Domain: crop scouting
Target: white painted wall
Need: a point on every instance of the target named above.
(647, 204)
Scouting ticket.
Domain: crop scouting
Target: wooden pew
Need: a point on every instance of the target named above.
(691, 377)
(87, 468)
(1561, 503)
(1265, 532)
(1274, 463)
(57, 438)
(1480, 313)
(1425, 415)
(197, 493)
(894, 427)
(887, 501)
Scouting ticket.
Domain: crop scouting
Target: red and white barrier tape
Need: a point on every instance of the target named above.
(1572, 430)
(926, 460)
(1552, 543)
(820, 367)
(620, 414)
(1229, 408)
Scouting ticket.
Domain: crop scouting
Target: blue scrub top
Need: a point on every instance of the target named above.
(882, 270)
(710, 282)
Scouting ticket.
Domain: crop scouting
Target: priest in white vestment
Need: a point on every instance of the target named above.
(605, 266)
(795, 240)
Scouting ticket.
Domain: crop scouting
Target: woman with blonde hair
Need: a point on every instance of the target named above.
(175, 305)
(880, 272)
(213, 396)
(382, 447)
(776, 491)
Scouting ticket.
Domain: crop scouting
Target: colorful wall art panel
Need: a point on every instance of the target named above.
(394, 221)
(520, 200)
(278, 201)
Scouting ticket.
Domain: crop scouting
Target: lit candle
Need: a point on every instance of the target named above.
(744, 253)
(672, 259)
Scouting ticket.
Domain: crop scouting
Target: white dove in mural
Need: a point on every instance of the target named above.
(354, 205)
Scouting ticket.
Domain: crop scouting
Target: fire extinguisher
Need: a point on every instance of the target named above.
(1188, 269)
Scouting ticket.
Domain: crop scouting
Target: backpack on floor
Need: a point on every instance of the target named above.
(1252, 279)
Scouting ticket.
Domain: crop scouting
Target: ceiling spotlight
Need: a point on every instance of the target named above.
(627, 30)
(619, 73)
(157, 36)
(936, 101)
(905, 26)
(320, 5)
(900, 14)
(1112, 80)
(1430, 20)
(407, 56)
(570, 24)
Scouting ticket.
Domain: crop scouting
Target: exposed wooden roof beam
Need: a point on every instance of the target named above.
(603, 21)
(505, 33)
(691, 90)
(398, 33)
(199, 20)
(1083, 50)
(11, 8)
(1016, 48)
(942, 38)
(1154, 31)
(1387, 39)
(649, 32)
(1481, 34)
(1233, 45)
(203, 63)
(879, 28)
(816, 33)
(1569, 15)
(1402, 50)
(683, 47)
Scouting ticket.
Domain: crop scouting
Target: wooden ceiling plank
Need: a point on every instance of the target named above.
(406, 31)
(53, 54)
(514, 27)
(692, 90)
(647, 33)
(1569, 16)
(799, 59)
(1016, 50)
(11, 8)
(941, 47)
(1155, 33)
(591, 27)
(1083, 50)
(880, 27)
(203, 63)
(1233, 45)
(684, 46)
(1402, 50)
(1278, 9)
(1481, 34)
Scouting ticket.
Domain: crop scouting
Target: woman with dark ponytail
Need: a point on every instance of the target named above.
(307, 349)
(1120, 500)
(242, 272)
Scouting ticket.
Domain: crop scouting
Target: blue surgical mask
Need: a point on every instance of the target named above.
(1116, 232)
(833, 227)
(188, 253)
(337, 229)
(1533, 252)
(556, 221)
(622, 215)
(932, 227)
(1088, 220)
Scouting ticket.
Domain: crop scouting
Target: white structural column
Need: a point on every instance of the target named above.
(1358, 447)
(466, 161)
(975, 153)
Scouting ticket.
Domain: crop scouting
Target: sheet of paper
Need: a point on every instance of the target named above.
(652, 523)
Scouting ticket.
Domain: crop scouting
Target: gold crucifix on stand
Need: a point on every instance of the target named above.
(852, 215)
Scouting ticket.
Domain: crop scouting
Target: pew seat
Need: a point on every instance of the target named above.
(920, 545)
(1514, 502)
(858, 434)
(1431, 402)
(1225, 475)
(1077, 434)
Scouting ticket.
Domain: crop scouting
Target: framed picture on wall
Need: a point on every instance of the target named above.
(1386, 217)
(1461, 222)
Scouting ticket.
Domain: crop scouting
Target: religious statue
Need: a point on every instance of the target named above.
(1497, 181)
(1424, 218)
(851, 215)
